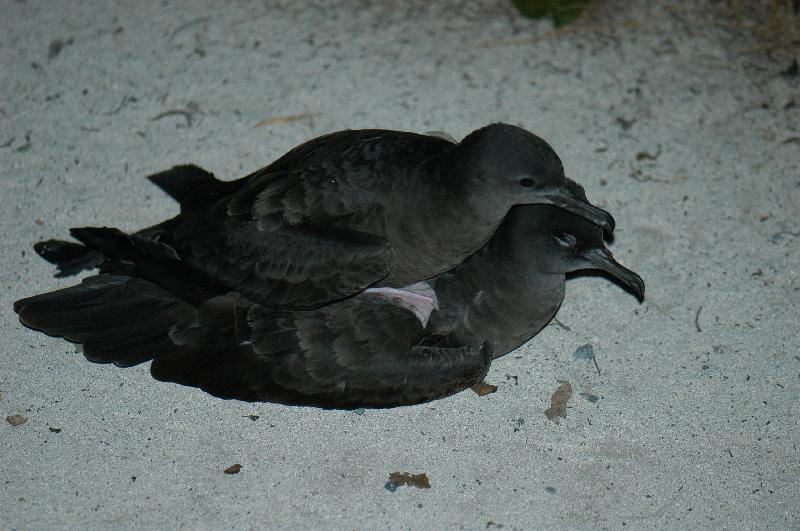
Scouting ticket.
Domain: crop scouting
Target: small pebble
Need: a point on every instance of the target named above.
(483, 388)
(584, 352)
(590, 397)
(233, 469)
(16, 420)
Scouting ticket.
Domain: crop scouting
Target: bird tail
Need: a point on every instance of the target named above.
(69, 257)
(191, 186)
(129, 313)
(150, 260)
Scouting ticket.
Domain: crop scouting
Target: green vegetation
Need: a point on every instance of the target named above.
(561, 12)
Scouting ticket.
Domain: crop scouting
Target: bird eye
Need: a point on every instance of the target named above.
(566, 240)
(527, 183)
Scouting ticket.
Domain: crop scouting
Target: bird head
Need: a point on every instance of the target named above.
(553, 241)
(511, 166)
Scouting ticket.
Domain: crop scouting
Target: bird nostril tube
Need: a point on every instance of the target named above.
(527, 183)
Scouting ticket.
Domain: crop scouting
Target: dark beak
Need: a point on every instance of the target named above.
(602, 259)
(582, 208)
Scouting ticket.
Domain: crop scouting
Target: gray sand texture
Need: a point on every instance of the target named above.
(677, 117)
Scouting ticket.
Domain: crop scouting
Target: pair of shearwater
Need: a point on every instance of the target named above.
(367, 268)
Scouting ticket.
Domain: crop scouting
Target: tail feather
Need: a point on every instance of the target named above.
(116, 244)
(154, 261)
(71, 258)
(191, 186)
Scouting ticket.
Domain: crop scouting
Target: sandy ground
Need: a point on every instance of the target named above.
(672, 116)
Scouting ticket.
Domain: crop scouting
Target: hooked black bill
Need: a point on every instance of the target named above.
(582, 208)
(604, 260)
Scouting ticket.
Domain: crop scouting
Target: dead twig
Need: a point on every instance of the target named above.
(644, 155)
(562, 325)
(122, 104)
(187, 113)
(186, 26)
(697, 319)
(286, 119)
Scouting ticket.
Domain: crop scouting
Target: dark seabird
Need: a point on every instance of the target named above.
(365, 351)
(352, 210)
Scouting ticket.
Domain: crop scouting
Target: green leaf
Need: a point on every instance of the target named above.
(561, 12)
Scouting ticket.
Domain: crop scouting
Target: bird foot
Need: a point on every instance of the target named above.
(419, 299)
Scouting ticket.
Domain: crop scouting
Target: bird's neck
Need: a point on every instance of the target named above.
(502, 301)
(442, 215)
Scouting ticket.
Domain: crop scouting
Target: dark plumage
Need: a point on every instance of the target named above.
(358, 352)
(350, 210)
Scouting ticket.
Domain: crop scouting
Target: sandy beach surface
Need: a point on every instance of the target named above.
(680, 118)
